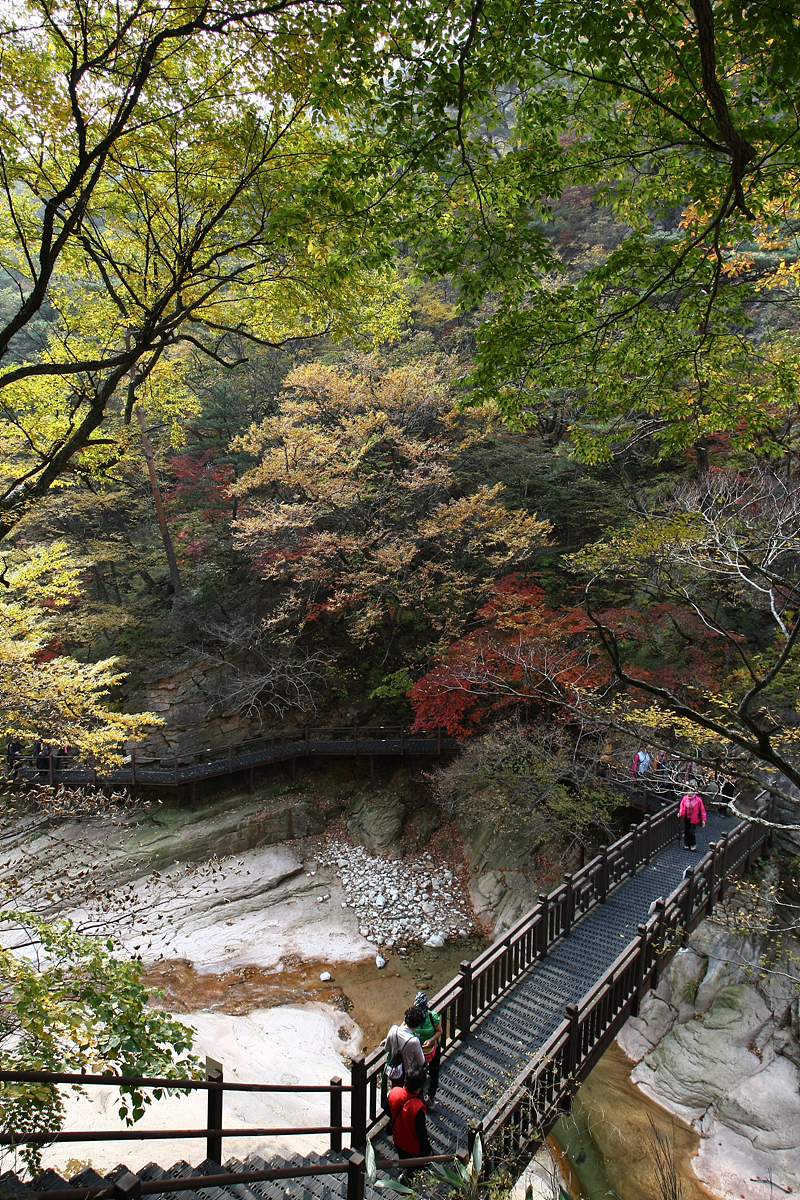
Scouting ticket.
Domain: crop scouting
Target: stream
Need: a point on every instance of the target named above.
(606, 1147)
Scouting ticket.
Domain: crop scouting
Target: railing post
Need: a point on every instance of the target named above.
(544, 925)
(712, 883)
(660, 934)
(214, 1118)
(356, 1177)
(571, 1012)
(358, 1103)
(633, 857)
(402, 741)
(465, 1000)
(688, 905)
(568, 900)
(641, 935)
(603, 887)
(722, 871)
(648, 841)
(336, 1114)
(127, 1187)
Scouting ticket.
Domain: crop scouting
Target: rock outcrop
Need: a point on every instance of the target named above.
(184, 692)
(717, 1044)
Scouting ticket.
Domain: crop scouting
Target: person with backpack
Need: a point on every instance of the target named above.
(692, 812)
(407, 1111)
(429, 1033)
(13, 755)
(403, 1048)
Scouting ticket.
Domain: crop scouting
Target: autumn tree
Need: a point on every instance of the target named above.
(538, 782)
(165, 184)
(683, 122)
(523, 654)
(357, 514)
(70, 1004)
(721, 556)
(686, 637)
(209, 177)
(44, 691)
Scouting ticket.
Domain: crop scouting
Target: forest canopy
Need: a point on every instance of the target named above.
(413, 362)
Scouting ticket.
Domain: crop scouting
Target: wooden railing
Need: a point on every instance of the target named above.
(481, 983)
(142, 770)
(214, 1084)
(532, 1104)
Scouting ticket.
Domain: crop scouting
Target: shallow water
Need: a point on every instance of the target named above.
(374, 998)
(608, 1139)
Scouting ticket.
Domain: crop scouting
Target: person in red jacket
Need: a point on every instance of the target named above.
(407, 1110)
(693, 813)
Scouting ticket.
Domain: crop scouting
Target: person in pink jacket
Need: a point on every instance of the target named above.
(693, 813)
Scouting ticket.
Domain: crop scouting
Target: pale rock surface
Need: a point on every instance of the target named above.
(255, 908)
(293, 1044)
(541, 1176)
(717, 1044)
(702, 1060)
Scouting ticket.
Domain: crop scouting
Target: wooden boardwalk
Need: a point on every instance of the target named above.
(478, 1071)
(286, 746)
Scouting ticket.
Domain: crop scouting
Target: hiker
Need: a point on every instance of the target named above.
(429, 1033)
(61, 758)
(403, 1048)
(43, 760)
(409, 1131)
(693, 813)
(641, 763)
(13, 755)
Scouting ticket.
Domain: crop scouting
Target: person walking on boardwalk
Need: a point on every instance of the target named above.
(13, 755)
(429, 1033)
(43, 759)
(693, 813)
(403, 1048)
(407, 1111)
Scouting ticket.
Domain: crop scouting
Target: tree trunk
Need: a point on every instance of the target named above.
(701, 457)
(147, 447)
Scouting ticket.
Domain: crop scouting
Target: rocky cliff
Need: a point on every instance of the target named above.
(717, 1043)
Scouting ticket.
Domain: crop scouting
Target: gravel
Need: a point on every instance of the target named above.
(400, 902)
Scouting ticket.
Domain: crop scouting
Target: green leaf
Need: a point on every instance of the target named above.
(369, 1155)
(449, 1176)
(393, 1185)
(477, 1156)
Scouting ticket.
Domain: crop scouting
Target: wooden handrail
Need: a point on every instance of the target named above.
(560, 1064)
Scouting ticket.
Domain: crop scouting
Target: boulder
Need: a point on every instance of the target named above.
(640, 1035)
(376, 821)
(703, 1059)
(422, 822)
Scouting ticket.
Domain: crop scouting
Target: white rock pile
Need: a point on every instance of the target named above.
(400, 902)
